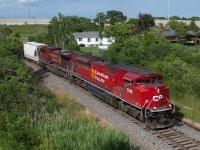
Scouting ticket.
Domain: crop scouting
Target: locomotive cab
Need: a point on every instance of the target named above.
(152, 96)
(157, 109)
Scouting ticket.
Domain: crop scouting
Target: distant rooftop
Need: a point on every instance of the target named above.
(164, 22)
(168, 33)
(91, 34)
(22, 21)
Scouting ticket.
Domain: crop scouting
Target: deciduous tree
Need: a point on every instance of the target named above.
(144, 23)
(181, 29)
(100, 19)
(114, 17)
(61, 28)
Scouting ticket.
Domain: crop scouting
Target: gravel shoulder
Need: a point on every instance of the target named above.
(138, 136)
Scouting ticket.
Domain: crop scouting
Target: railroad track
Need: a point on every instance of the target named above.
(174, 138)
(177, 139)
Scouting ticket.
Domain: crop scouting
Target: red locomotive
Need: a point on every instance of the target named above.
(138, 92)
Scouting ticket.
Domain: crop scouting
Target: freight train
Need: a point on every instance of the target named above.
(135, 91)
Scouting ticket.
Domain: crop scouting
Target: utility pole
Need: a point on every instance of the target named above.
(168, 11)
(100, 30)
(99, 21)
(29, 13)
(100, 38)
(13, 13)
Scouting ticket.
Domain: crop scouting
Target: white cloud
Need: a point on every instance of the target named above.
(27, 1)
(7, 6)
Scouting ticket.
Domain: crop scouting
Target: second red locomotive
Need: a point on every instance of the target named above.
(138, 92)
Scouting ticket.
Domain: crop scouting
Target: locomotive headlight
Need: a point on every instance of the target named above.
(170, 105)
(154, 107)
(158, 91)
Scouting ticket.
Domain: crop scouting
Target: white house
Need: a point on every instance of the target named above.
(92, 39)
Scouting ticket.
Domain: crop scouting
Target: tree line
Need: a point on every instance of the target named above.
(61, 28)
(179, 18)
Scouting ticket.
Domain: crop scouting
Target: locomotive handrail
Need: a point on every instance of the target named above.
(71, 72)
(146, 108)
(106, 91)
(172, 104)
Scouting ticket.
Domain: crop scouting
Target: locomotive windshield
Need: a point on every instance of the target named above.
(143, 81)
(157, 80)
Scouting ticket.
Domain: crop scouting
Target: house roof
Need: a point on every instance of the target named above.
(168, 33)
(193, 33)
(92, 34)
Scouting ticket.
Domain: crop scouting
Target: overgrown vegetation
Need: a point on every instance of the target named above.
(76, 129)
(94, 50)
(33, 118)
(26, 31)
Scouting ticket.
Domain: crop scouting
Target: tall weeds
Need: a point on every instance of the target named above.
(72, 127)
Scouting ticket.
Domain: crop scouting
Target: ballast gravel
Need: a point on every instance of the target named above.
(137, 136)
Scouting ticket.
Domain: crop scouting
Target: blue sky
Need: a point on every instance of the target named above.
(89, 8)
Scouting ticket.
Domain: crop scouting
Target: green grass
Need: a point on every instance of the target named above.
(74, 127)
(184, 112)
(23, 38)
(189, 109)
(28, 30)
(92, 51)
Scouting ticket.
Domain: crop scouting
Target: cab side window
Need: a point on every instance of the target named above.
(157, 80)
(126, 82)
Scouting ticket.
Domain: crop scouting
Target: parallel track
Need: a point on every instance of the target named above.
(174, 138)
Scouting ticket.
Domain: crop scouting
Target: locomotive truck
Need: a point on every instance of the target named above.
(135, 91)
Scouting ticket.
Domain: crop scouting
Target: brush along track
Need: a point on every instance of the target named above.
(172, 137)
(176, 139)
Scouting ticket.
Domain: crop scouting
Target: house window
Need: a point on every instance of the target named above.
(89, 39)
(80, 39)
(109, 39)
(97, 39)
